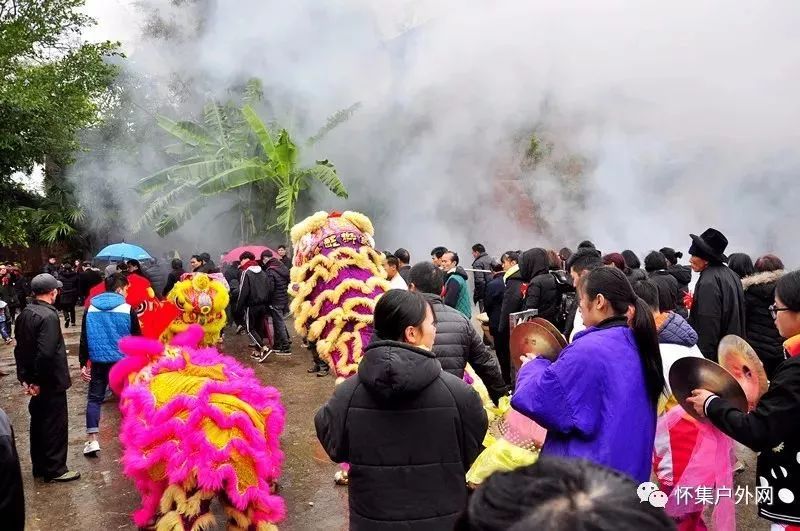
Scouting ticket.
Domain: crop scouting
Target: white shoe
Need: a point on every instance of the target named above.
(265, 352)
(91, 448)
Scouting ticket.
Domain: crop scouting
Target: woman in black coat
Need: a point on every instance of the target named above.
(542, 291)
(408, 429)
(759, 294)
(771, 428)
(655, 264)
(69, 293)
(633, 270)
(512, 303)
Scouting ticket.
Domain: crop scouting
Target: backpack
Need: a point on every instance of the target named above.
(566, 298)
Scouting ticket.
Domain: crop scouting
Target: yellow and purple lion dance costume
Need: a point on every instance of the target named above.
(336, 279)
(198, 425)
(200, 299)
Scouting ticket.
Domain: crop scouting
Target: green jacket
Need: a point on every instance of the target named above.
(456, 293)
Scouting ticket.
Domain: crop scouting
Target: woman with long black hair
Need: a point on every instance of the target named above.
(409, 430)
(598, 399)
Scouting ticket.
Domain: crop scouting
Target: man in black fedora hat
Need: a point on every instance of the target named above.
(718, 304)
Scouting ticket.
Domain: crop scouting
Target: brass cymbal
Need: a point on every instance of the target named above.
(688, 374)
(552, 329)
(532, 338)
(738, 358)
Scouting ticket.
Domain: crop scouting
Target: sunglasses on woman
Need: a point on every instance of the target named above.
(774, 309)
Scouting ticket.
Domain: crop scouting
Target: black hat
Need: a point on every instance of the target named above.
(710, 246)
(671, 254)
(44, 283)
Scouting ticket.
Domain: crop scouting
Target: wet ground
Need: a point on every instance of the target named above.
(103, 498)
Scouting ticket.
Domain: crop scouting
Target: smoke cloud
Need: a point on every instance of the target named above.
(661, 119)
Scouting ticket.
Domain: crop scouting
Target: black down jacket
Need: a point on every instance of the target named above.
(279, 276)
(759, 293)
(457, 343)
(410, 432)
(542, 293)
(717, 308)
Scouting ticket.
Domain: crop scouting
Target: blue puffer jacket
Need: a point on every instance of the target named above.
(677, 331)
(108, 319)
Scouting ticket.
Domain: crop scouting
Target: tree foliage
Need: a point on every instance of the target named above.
(233, 153)
(51, 80)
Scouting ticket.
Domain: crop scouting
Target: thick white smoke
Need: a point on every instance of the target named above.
(684, 114)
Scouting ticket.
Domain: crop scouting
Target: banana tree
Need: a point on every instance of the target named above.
(276, 162)
(234, 154)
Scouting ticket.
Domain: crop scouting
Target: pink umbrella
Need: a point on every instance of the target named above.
(232, 256)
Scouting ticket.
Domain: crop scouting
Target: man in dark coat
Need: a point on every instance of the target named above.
(482, 274)
(718, 303)
(542, 291)
(402, 394)
(254, 295)
(278, 304)
(457, 342)
(405, 260)
(41, 358)
(285, 259)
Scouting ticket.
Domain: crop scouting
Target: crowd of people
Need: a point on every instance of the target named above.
(605, 401)
(409, 424)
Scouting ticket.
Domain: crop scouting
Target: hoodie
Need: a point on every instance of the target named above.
(410, 432)
(254, 289)
(542, 292)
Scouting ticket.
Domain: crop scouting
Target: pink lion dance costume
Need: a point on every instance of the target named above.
(198, 425)
(336, 280)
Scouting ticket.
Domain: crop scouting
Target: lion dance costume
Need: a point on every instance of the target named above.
(336, 280)
(196, 424)
(200, 299)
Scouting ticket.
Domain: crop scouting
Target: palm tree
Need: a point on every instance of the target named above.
(233, 153)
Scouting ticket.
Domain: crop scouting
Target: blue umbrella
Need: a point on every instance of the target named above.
(123, 251)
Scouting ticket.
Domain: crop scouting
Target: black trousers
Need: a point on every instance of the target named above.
(279, 330)
(49, 426)
(255, 317)
(69, 312)
(502, 349)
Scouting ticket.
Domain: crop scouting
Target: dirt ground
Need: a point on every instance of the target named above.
(103, 498)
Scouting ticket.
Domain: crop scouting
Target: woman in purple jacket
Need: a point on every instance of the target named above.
(598, 399)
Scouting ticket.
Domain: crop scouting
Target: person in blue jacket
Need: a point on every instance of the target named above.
(598, 399)
(108, 319)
